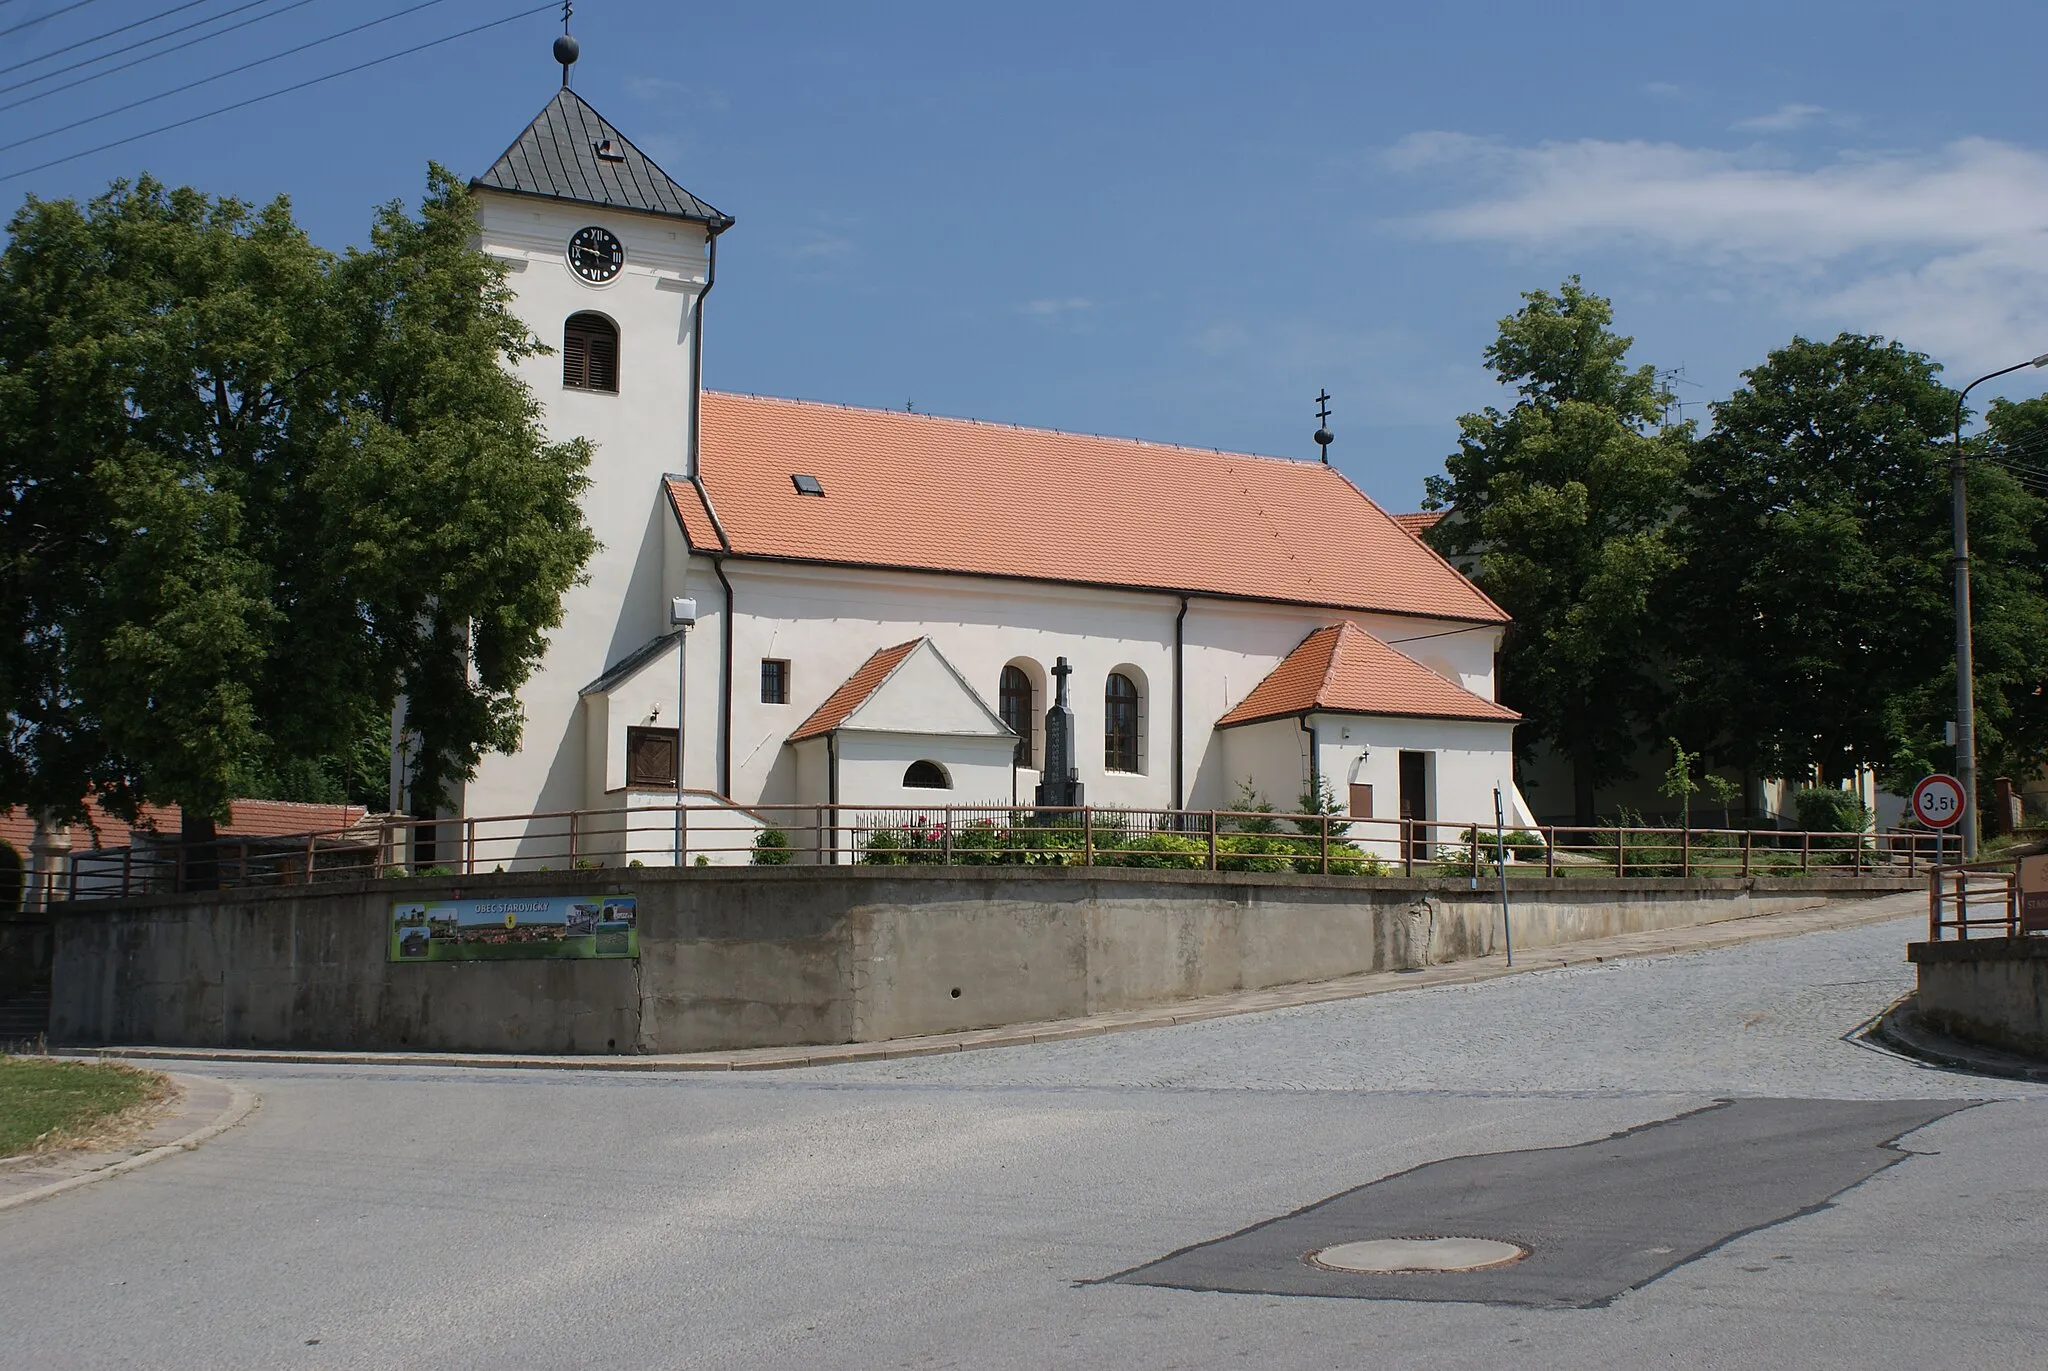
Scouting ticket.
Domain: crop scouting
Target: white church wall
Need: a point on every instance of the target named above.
(871, 768)
(638, 434)
(826, 621)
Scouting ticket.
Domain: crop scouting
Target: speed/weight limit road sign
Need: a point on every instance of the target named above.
(1938, 801)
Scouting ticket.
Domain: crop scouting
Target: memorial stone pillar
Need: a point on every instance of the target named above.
(1061, 787)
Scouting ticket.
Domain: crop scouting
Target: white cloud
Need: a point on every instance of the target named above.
(1947, 250)
(1783, 119)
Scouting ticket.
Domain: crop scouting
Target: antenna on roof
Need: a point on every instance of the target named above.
(566, 47)
(1323, 435)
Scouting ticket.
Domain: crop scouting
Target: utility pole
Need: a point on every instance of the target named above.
(1966, 670)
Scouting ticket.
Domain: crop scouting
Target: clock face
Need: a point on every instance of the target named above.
(596, 255)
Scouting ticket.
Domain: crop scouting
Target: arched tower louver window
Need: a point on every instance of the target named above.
(1019, 709)
(590, 353)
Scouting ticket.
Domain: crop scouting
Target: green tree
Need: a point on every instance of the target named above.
(1814, 627)
(252, 491)
(1679, 782)
(1564, 503)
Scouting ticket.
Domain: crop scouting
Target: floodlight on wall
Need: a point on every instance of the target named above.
(682, 612)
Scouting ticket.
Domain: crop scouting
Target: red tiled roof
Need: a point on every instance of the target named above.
(1342, 669)
(853, 691)
(916, 492)
(1420, 522)
(251, 819)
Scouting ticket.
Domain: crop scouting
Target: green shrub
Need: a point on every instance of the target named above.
(771, 848)
(1822, 809)
(1169, 851)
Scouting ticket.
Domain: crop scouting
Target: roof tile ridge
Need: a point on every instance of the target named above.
(1442, 560)
(970, 420)
(1336, 632)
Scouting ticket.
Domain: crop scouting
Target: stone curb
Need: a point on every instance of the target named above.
(241, 1103)
(1701, 937)
(1899, 1028)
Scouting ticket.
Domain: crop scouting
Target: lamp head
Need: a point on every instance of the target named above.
(2042, 360)
(682, 612)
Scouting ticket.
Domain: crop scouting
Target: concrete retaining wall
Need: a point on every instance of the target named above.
(760, 957)
(1992, 991)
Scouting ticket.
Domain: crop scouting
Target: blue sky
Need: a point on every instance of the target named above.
(1178, 222)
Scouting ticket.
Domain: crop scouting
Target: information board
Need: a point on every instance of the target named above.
(515, 927)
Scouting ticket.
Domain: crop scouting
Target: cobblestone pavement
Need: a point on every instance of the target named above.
(961, 1211)
(1766, 1018)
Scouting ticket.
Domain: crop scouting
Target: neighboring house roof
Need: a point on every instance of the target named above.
(853, 692)
(557, 158)
(1420, 522)
(909, 689)
(1342, 669)
(915, 492)
(249, 819)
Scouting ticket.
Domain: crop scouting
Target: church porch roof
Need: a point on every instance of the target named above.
(1342, 669)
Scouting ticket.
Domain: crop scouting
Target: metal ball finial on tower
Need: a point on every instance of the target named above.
(1323, 435)
(566, 48)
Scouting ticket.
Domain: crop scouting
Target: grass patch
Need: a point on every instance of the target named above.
(46, 1104)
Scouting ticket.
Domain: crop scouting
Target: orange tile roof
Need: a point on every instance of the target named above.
(250, 819)
(1342, 669)
(853, 691)
(916, 492)
(1420, 522)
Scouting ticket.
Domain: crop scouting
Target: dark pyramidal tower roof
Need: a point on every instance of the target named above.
(558, 158)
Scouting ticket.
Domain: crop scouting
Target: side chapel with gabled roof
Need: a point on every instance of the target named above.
(882, 597)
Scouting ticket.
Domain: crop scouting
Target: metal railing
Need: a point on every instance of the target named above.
(1960, 899)
(646, 833)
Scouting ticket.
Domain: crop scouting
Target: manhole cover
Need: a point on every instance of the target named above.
(1391, 1256)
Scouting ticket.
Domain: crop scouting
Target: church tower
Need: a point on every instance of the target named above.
(609, 261)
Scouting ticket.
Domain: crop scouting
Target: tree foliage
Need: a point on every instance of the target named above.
(1564, 501)
(1813, 630)
(252, 491)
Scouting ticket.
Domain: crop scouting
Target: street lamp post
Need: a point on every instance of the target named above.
(681, 614)
(1966, 671)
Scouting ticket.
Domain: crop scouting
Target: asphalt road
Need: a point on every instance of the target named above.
(998, 1209)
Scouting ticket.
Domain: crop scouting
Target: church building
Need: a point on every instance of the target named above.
(885, 606)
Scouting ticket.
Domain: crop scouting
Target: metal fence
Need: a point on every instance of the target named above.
(651, 835)
(1960, 899)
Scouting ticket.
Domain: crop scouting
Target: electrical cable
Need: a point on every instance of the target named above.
(31, 23)
(146, 57)
(88, 42)
(217, 76)
(84, 62)
(282, 90)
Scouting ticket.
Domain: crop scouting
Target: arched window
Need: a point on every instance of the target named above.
(1120, 723)
(590, 353)
(1019, 710)
(926, 776)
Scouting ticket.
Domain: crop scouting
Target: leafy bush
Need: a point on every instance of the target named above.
(771, 848)
(1822, 809)
(1169, 851)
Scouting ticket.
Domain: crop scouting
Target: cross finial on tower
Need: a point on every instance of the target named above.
(566, 47)
(1323, 435)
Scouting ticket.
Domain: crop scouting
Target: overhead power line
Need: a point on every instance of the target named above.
(82, 62)
(31, 23)
(217, 76)
(98, 37)
(273, 94)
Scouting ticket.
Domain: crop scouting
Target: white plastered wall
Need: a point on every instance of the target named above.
(639, 434)
(826, 621)
(1464, 761)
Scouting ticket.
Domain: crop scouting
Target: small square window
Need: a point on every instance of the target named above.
(806, 485)
(774, 681)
